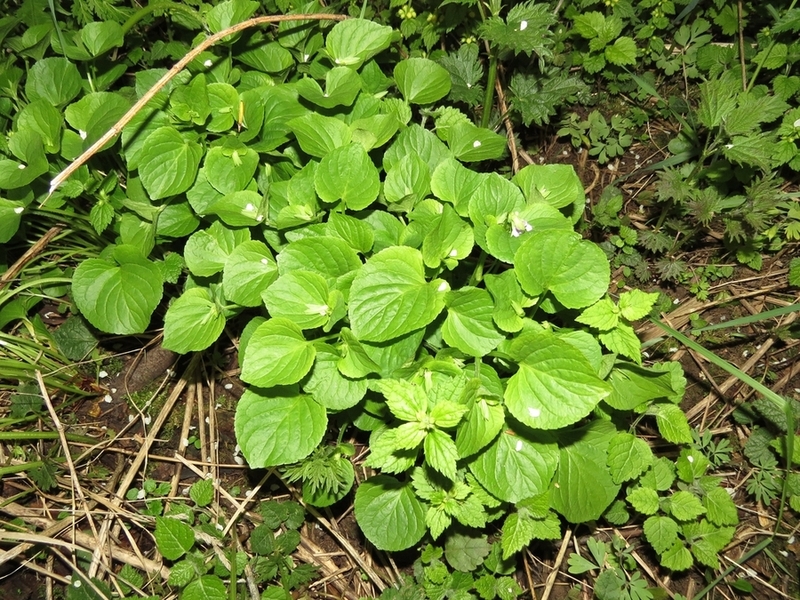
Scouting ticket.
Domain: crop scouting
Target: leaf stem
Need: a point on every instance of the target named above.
(488, 98)
(477, 274)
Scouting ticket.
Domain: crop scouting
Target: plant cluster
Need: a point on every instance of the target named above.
(328, 195)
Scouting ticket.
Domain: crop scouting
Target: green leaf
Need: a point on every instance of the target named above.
(717, 101)
(354, 41)
(465, 552)
(509, 301)
(685, 506)
(169, 163)
(45, 119)
(677, 558)
(407, 181)
(644, 500)
(10, 215)
(582, 487)
(633, 385)
(555, 385)
(636, 304)
(331, 257)
(514, 468)
(661, 533)
(301, 297)
(390, 297)
(672, 424)
(342, 85)
(54, 79)
(207, 251)
(417, 141)
(421, 81)
(755, 150)
(557, 185)
(206, 587)
(318, 135)
(441, 453)
(328, 386)
(720, 508)
(27, 146)
(248, 270)
(193, 322)
(101, 37)
(482, 424)
(622, 52)
(389, 513)
(278, 426)
(575, 271)
(469, 143)
(229, 168)
(118, 297)
(469, 325)
(454, 183)
(405, 399)
(173, 538)
(202, 492)
(492, 203)
(628, 457)
(348, 174)
(355, 232)
(277, 354)
(228, 13)
(602, 315)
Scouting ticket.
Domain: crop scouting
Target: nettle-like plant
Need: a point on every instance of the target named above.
(378, 282)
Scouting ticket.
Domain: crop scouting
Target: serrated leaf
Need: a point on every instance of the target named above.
(636, 304)
(277, 354)
(389, 513)
(390, 297)
(661, 533)
(405, 399)
(582, 487)
(202, 492)
(481, 425)
(644, 500)
(263, 419)
(207, 251)
(677, 558)
(555, 385)
(623, 340)
(54, 79)
(602, 315)
(331, 257)
(720, 508)
(193, 322)
(628, 457)
(173, 538)
(685, 506)
(441, 453)
(621, 52)
(672, 424)
(454, 183)
(206, 587)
